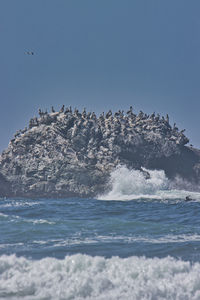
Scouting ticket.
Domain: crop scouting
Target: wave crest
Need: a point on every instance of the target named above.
(85, 277)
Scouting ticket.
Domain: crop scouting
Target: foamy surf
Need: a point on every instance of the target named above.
(85, 277)
(106, 239)
(133, 184)
(165, 239)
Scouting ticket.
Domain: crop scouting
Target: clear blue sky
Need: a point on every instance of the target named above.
(100, 54)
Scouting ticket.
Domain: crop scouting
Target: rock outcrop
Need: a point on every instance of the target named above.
(69, 154)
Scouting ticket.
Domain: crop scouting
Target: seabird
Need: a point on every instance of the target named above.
(29, 52)
(62, 109)
(187, 198)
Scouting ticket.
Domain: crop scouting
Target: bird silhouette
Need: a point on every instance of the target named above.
(29, 52)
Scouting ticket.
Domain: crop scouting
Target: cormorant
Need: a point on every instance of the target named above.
(62, 109)
(130, 110)
(40, 112)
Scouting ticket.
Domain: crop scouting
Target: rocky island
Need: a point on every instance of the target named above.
(72, 154)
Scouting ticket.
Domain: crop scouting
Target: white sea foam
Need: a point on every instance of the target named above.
(133, 184)
(169, 238)
(39, 221)
(85, 277)
(14, 218)
(15, 203)
(165, 239)
(3, 215)
(2, 246)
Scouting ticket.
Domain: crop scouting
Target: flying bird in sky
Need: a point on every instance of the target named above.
(29, 52)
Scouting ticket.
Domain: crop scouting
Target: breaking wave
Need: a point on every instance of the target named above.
(134, 184)
(85, 277)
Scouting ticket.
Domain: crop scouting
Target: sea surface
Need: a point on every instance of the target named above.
(139, 241)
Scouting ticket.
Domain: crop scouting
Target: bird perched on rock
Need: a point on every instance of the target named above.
(40, 112)
(62, 109)
(130, 111)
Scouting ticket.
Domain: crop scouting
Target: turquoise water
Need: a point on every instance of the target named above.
(144, 248)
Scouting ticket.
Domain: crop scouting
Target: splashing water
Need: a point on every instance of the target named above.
(86, 277)
(134, 184)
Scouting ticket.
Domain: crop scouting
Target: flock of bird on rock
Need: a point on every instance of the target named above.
(118, 121)
(101, 142)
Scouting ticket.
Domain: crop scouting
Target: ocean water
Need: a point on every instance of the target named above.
(139, 241)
